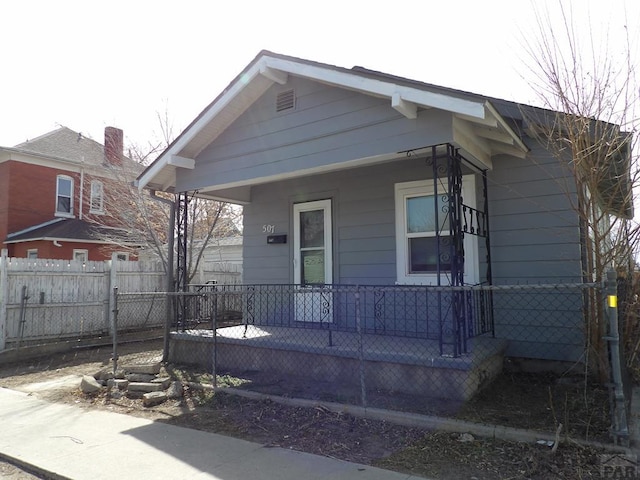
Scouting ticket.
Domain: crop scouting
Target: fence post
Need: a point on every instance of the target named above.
(113, 283)
(214, 330)
(363, 386)
(4, 296)
(620, 425)
(114, 330)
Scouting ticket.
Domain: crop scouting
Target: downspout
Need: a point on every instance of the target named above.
(169, 280)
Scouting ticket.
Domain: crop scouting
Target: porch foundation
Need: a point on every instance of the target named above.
(392, 364)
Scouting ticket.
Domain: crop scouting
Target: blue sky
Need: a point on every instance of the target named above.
(87, 65)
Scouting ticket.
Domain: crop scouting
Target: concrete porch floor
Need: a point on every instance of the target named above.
(413, 351)
(404, 365)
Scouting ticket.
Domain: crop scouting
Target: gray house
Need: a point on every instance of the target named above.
(423, 194)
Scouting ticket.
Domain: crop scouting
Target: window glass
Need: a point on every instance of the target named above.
(424, 253)
(80, 255)
(312, 267)
(421, 213)
(423, 241)
(96, 196)
(64, 195)
(312, 229)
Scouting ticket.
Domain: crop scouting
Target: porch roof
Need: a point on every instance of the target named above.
(480, 130)
(73, 229)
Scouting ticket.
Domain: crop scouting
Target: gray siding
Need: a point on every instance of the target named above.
(328, 126)
(535, 239)
(363, 222)
(534, 230)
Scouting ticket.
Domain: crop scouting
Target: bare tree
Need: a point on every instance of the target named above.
(136, 220)
(208, 220)
(589, 93)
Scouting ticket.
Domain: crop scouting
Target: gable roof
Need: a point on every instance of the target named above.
(474, 113)
(70, 147)
(64, 143)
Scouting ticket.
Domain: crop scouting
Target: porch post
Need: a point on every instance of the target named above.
(487, 230)
(456, 233)
(454, 174)
(181, 263)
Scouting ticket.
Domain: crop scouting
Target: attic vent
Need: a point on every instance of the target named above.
(285, 101)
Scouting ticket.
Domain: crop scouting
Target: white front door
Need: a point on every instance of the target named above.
(312, 260)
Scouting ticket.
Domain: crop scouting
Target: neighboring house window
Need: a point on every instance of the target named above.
(122, 256)
(64, 196)
(422, 231)
(97, 196)
(32, 253)
(80, 255)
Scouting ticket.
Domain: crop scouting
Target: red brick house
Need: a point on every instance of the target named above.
(53, 196)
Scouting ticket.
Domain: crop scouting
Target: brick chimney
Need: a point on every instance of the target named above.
(113, 145)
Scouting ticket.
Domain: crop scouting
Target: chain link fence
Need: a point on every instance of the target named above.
(520, 356)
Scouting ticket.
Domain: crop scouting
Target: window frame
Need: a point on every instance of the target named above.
(124, 254)
(30, 252)
(83, 251)
(94, 196)
(62, 213)
(417, 188)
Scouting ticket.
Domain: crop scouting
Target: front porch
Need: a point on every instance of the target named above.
(396, 339)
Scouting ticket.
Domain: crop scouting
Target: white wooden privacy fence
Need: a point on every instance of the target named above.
(43, 300)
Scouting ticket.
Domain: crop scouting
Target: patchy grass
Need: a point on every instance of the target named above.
(541, 402)
(442, 455)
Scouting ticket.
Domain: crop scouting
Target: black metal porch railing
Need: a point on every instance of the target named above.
(450, 315)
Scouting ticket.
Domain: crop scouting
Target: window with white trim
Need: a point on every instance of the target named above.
(423, 243)
(122, 256)
(96, 204)
(64, 196)
(80, 255)
(32, 253)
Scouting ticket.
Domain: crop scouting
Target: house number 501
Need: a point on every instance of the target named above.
(268, 228)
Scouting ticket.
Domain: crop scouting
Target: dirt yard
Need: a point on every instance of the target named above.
(317, 430)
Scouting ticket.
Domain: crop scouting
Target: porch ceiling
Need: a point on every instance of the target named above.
(479, 130)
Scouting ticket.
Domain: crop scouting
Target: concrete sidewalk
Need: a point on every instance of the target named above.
(65, 442)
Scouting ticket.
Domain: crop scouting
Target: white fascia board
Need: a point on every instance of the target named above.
(217, 107)
(207, 116)
(380, 88)
(518, 142)
(39, 159)
(182, 162)
(155, 168)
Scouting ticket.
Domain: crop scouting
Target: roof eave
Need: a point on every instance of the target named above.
(273, 68)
